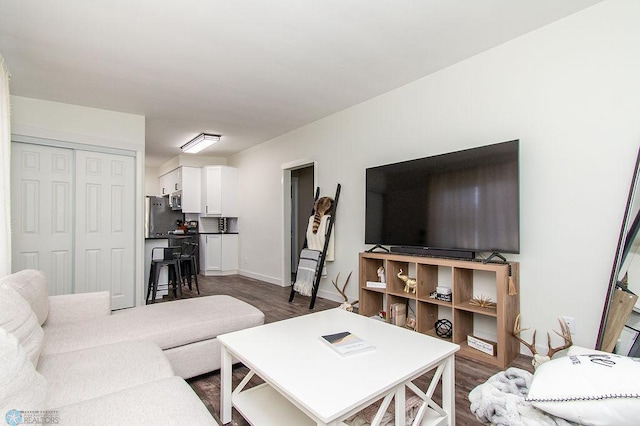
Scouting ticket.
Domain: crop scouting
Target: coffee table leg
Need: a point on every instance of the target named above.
(449, 390)
(400, 404)
(225, 387)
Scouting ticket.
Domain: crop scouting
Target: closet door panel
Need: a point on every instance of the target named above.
(42, 213)
(105, 199)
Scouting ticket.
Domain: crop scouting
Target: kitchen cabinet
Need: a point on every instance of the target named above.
(170, 182)
(186, 181)
(220, 191)
(190, 184)
(219, 254)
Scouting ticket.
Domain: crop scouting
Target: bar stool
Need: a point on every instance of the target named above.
(171, 259)
(189, 263)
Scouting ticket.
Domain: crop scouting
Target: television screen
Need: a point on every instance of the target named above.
(464, 200)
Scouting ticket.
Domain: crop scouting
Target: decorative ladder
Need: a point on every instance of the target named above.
(331, 221)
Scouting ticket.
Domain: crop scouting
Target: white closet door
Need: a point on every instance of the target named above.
(105, 217)
(42, 213)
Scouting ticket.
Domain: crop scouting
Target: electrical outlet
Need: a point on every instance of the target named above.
(571, 323)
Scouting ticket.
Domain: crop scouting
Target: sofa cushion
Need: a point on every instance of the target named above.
(89, 373)
(32, 286)
(169, 324)
(164, 402)
(21, 387)
(17, 318)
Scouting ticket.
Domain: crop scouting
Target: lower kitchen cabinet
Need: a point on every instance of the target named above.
(218, 254)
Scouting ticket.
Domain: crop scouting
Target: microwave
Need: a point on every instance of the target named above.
(175, 201)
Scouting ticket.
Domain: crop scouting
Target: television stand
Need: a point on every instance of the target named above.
(377, 246)
(467, 281)
(494, 254)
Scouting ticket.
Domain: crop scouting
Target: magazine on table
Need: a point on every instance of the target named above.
(346, 343)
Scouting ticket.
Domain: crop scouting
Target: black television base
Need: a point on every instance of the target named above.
(377, 246)
(434, 252)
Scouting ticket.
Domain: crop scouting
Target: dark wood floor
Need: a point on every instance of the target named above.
(273, 301)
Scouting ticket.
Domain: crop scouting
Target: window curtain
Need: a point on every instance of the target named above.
(5, 175)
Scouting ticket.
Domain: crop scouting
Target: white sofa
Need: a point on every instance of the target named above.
(71, 356)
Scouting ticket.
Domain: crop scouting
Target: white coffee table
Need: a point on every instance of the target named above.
(306, 382)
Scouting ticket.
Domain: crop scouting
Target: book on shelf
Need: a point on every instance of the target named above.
(346, 343)
(482, 345)
(376, 284)
(398, 314)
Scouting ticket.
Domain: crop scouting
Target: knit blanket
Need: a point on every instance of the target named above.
(306, 274)
(501, 401)
(316, 241)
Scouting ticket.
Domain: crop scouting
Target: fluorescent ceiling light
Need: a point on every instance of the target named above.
(200, 142)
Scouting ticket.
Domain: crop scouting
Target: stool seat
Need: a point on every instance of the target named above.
(170, 257)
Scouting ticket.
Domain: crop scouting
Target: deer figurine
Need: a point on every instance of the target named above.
(409, 283)
(540, 359)
(345, 305)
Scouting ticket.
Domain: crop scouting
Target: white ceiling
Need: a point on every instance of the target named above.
(247, 69)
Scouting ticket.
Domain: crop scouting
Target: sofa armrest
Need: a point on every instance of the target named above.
(78, 307)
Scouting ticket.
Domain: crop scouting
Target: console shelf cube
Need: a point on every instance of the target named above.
(467, 279)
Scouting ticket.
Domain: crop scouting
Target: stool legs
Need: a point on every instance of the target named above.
(174, 274)
(190, 268)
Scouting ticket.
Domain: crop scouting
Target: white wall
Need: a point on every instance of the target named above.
(36, 118)
(78, 124)
(151, 181)
(569, 91)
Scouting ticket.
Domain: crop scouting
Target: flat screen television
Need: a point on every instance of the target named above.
(466, 201)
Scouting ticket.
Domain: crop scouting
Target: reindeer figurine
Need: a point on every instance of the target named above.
(540, 359)
(409, 283)
(345, 305)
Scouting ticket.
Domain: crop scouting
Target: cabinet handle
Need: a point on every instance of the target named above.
(176, 185)
(206, 209)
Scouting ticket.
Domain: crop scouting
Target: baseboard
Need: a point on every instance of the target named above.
(260, 277)
(329, 295)
(219, 273)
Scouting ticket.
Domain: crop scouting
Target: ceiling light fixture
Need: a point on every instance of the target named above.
(200, 142)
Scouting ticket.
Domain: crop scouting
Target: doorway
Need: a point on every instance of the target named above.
(302, 193)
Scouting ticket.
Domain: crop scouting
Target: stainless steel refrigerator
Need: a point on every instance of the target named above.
(159, 218)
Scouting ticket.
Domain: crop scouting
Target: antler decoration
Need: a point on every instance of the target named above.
(539, 359)
(566, 335)
(345, 305)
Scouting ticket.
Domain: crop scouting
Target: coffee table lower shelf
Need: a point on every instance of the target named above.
(264, 406)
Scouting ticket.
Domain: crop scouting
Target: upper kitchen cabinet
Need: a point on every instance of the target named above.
(171, 182)
(191, 187)
(220, 191)
(185, 183)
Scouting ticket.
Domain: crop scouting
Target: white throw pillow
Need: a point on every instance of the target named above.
(17, 318)
(589, 387)
(32, 286)
(22, 388)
